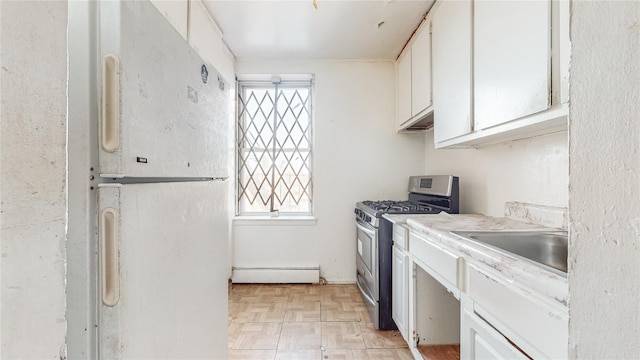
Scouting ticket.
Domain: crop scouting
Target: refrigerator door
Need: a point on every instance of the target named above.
(163, 110)
(163, 271)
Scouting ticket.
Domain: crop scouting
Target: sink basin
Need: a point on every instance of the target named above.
(546, 248)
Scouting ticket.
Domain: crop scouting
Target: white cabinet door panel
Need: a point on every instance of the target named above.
(451, 41)
(404, 88)
(512, 45)
(438, 261)
(514, 310)
(479, 341)
(399, 294)
(421, 71)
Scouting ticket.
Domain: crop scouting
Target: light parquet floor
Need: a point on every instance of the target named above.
(299, 321)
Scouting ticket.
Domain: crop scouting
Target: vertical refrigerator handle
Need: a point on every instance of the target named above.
(109, 262)
(110, 104)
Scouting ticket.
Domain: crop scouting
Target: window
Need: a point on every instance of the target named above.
(274, 147)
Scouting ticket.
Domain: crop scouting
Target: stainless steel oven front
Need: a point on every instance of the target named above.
(367, 267)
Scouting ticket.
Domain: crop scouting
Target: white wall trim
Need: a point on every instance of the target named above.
(287, 275)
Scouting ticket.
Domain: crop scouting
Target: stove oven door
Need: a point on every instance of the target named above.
(367, 267)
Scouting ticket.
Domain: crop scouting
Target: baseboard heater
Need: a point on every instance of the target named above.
(288, 275)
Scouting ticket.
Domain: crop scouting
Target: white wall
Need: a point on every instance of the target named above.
(604, 220)
(357, 156)
(534, 170)
(34, 106)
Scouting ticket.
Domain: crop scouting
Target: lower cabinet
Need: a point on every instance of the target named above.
(442, 296)
(479, 340)
(400, 292)
(538, 326)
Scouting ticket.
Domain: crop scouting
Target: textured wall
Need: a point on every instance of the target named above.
(531, 171)
(604, 199)
(34, 106)
(357, 156)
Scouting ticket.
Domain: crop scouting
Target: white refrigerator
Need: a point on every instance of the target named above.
(162, 233)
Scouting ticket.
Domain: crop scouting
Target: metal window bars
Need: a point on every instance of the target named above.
(274, 148)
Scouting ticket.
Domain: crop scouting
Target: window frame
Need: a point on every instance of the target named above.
(276, 83)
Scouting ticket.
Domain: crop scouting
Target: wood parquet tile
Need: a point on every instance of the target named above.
(346, 354)
(376, 339)
(260, 312)
(440, 352)
(395, 354)
(282, 322)
(310, 354)
(342, 335)
(257, 336)
(300, 335)
(302, 311)
(251, 354)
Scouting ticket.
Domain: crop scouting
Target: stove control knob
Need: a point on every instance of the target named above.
(368, 218)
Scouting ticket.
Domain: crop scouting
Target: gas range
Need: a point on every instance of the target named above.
(371, 211)
(427, 195)
(374, 239)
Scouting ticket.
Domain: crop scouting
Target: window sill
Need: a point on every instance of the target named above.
(274, 220)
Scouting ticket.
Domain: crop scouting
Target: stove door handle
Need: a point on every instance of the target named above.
(368, 230)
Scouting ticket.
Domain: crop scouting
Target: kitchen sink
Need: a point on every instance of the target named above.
(546, 248)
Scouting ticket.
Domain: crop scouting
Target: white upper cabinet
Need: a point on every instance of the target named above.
(421, 71)
(451, 33)
(413, 76)
(511, 60)
(500, 70)
(192, 21)
(176, 12)
(403, 77)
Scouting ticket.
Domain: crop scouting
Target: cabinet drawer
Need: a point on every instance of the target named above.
(538, 327)
(443, 262)
(481, 341)
(401, 236)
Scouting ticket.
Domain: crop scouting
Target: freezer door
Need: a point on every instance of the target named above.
(164, 112)
(163, 271)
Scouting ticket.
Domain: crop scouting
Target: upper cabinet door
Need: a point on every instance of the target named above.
(512, 45)
(451, 36)
(403, 78)
(421, 71)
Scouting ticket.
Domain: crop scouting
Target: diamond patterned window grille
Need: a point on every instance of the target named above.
(274, 148)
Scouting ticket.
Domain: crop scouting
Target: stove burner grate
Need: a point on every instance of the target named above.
(398, 207)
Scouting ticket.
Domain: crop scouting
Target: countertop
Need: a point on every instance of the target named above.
(438, 227)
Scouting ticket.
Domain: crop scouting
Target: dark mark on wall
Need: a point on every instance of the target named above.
(204, 73)
(220, 83)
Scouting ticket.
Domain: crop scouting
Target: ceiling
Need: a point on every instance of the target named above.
(337, 29)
